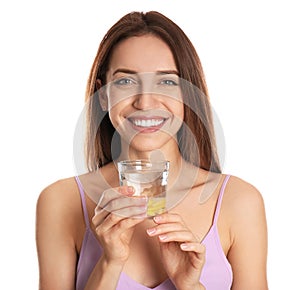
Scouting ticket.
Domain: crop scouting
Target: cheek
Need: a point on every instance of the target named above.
(114, 114)
(177, 109)
(181, 113)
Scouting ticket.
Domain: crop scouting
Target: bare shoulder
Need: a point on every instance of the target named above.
(59, 231)
(61, 192)
(244, 207)
(60, 203)
(242, 195)
(245, 216)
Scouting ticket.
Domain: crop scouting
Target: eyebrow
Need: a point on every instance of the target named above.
(159, 72)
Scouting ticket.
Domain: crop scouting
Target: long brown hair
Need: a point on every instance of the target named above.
(197, 111)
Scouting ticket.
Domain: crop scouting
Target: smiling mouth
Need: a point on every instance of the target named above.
(147, 123)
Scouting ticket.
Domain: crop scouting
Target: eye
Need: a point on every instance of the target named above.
(168, 82)
(124, 82)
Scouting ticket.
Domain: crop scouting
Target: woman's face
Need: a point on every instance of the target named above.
(143, 93)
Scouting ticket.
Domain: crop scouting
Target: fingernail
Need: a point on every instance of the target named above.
(162, 237)
(130, 189)
(157, 218)
(184, 246)
(151, 231)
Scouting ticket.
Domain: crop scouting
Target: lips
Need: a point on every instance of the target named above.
(147, 124)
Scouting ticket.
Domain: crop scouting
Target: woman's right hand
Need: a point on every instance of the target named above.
(115, 217)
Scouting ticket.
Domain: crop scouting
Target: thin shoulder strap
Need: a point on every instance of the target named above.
(219, 202)
(83, 202)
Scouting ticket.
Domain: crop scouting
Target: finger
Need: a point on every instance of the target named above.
(99, 216)
(197, 253)
(193, 247)
(178, 236)
(107, 223)
(128, 223)
(165, 228)
(132, 211)
(168, 218)
(126, 203)
(116, 202)
(122, 210)
(110, 235)
(106, 197)
(126, 190)
(113, 221)
(114, 193)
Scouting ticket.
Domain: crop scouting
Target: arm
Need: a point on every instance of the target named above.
(59, 231)
(55, 239)
(115, 218)
(248, 252)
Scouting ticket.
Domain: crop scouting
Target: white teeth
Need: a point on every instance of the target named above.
(147, 123)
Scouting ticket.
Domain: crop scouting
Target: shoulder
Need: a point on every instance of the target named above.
(59, 192)
(242, 195)
(59, 232)
(59, 202)
(243, 206)
(246, 220)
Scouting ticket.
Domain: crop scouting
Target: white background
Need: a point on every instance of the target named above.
(250, 53)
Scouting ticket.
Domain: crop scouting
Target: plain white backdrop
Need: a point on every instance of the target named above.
(250, 54)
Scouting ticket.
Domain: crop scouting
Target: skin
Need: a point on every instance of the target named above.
(119, 222)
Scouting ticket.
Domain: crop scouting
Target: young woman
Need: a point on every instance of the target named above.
(147, 99)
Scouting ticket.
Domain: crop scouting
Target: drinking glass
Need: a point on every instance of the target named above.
(149, 178)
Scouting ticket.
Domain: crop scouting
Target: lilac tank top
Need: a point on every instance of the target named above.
(216, 273)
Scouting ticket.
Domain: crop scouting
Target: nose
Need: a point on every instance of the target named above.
(145, 100)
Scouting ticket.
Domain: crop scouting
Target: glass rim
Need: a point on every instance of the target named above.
(142, 162)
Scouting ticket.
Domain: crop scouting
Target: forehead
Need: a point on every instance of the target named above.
(145, 53)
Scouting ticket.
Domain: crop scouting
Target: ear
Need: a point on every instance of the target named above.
(102, 95)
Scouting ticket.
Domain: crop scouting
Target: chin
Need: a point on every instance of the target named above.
(144, 144)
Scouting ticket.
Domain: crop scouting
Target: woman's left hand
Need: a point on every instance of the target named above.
(182, 253)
